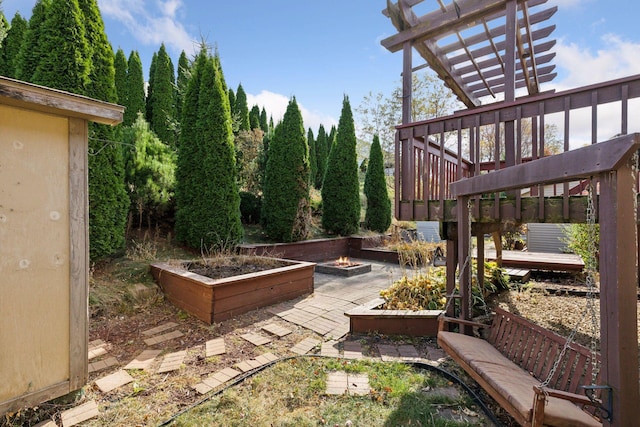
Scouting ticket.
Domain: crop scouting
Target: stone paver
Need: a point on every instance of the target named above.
(79, 414)
(159, 329)
(46, 424)
(162, 338)
(408, 352)
(341, 382)
(256, 339)
(216, 380)
(144, 359)
(305, 346)
(172, 361)
(388, 352)
(96, 348)
(113, 381)
(215, 347)
(298, 316)
(102, 364)
(321, 325)
(330, 348)
(277, 330)
(338, 332)
(251, 364)
(352, 350)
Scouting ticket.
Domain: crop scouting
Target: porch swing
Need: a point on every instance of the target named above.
(534, 374)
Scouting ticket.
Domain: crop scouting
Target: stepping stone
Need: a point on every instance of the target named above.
(330, 349)
(216, 380)
(172, 361)
(321, 325)
(339, 383)
(96, 348)
(215, 347)
(162, 338)
(256, 339)
(279, 331)
(159, 329)
(79, 414)
(46, 424)
(113, 381)
(338, 332)
(352, 350)
(102, 364)
(251, 364)
(305, 346)
(408, 352)
(144, 359)
(388, 352)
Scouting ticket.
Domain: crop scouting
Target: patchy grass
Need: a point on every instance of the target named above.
(291, 393)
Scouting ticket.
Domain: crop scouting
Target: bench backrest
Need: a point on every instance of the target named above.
(536, 349)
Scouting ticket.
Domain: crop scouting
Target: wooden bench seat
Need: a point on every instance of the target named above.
(511, 363)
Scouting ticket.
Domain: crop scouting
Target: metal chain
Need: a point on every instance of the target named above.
(591, 269)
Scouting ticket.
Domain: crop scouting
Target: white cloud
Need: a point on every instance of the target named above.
(151, 24)
(275, 105)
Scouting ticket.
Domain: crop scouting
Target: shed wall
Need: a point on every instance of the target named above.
(545, 238)
(34, 251)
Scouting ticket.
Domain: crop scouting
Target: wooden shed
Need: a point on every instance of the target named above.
(44, 245)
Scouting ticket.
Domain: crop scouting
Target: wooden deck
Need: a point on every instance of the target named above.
(538, 260)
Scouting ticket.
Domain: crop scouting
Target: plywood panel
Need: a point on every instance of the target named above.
(34, 251)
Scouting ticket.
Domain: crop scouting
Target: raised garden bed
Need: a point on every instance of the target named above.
(215, 300)
(371, 318)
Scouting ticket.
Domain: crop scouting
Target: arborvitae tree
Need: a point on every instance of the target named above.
(163, 99)
(286, 208)
(65, 58)
(254, 117)
(322, 153)
(108, 200)
(150, 171)
(135, 101)
(30, 50)
(341, 188)
(331, 140)
(313, 163)
(378, 214)
(181, 82)
(232, 102)
(207, 199)
(4, 27)
(264, 125)
(242, 108)
(11, 46)
(120, 64)
(150, 86)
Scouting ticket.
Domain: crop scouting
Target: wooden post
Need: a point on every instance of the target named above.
(464, 260)
(452, 262)
(618, 287)
(480, 261)
(511, 26)
(407, 86)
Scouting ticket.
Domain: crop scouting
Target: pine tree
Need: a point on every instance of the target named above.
(135, 101)
(378, 214)
(163, 99)
(108, 199)
(11, 46)
(120, 64)
(207, 198)
(313, 163)
(254, 117)
(286, 207)
(242, 109)
(65, 56)
(150, 86)
(321, 157)
(341, 188)
(181, 83)
(30, 50)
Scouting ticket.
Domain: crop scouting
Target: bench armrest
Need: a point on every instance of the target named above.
(442, 319)
(541, 394)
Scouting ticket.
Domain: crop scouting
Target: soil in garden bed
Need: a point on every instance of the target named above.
(233, 267)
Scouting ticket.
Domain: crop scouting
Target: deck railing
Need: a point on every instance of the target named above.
(425, 166)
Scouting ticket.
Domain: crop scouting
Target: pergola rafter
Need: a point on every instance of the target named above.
(469, 65)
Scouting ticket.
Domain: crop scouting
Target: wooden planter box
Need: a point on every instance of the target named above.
(215, 300)
(370, 318)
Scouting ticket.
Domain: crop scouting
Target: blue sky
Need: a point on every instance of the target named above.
(320, 50)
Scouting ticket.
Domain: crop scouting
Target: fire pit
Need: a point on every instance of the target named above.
(343, 267)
